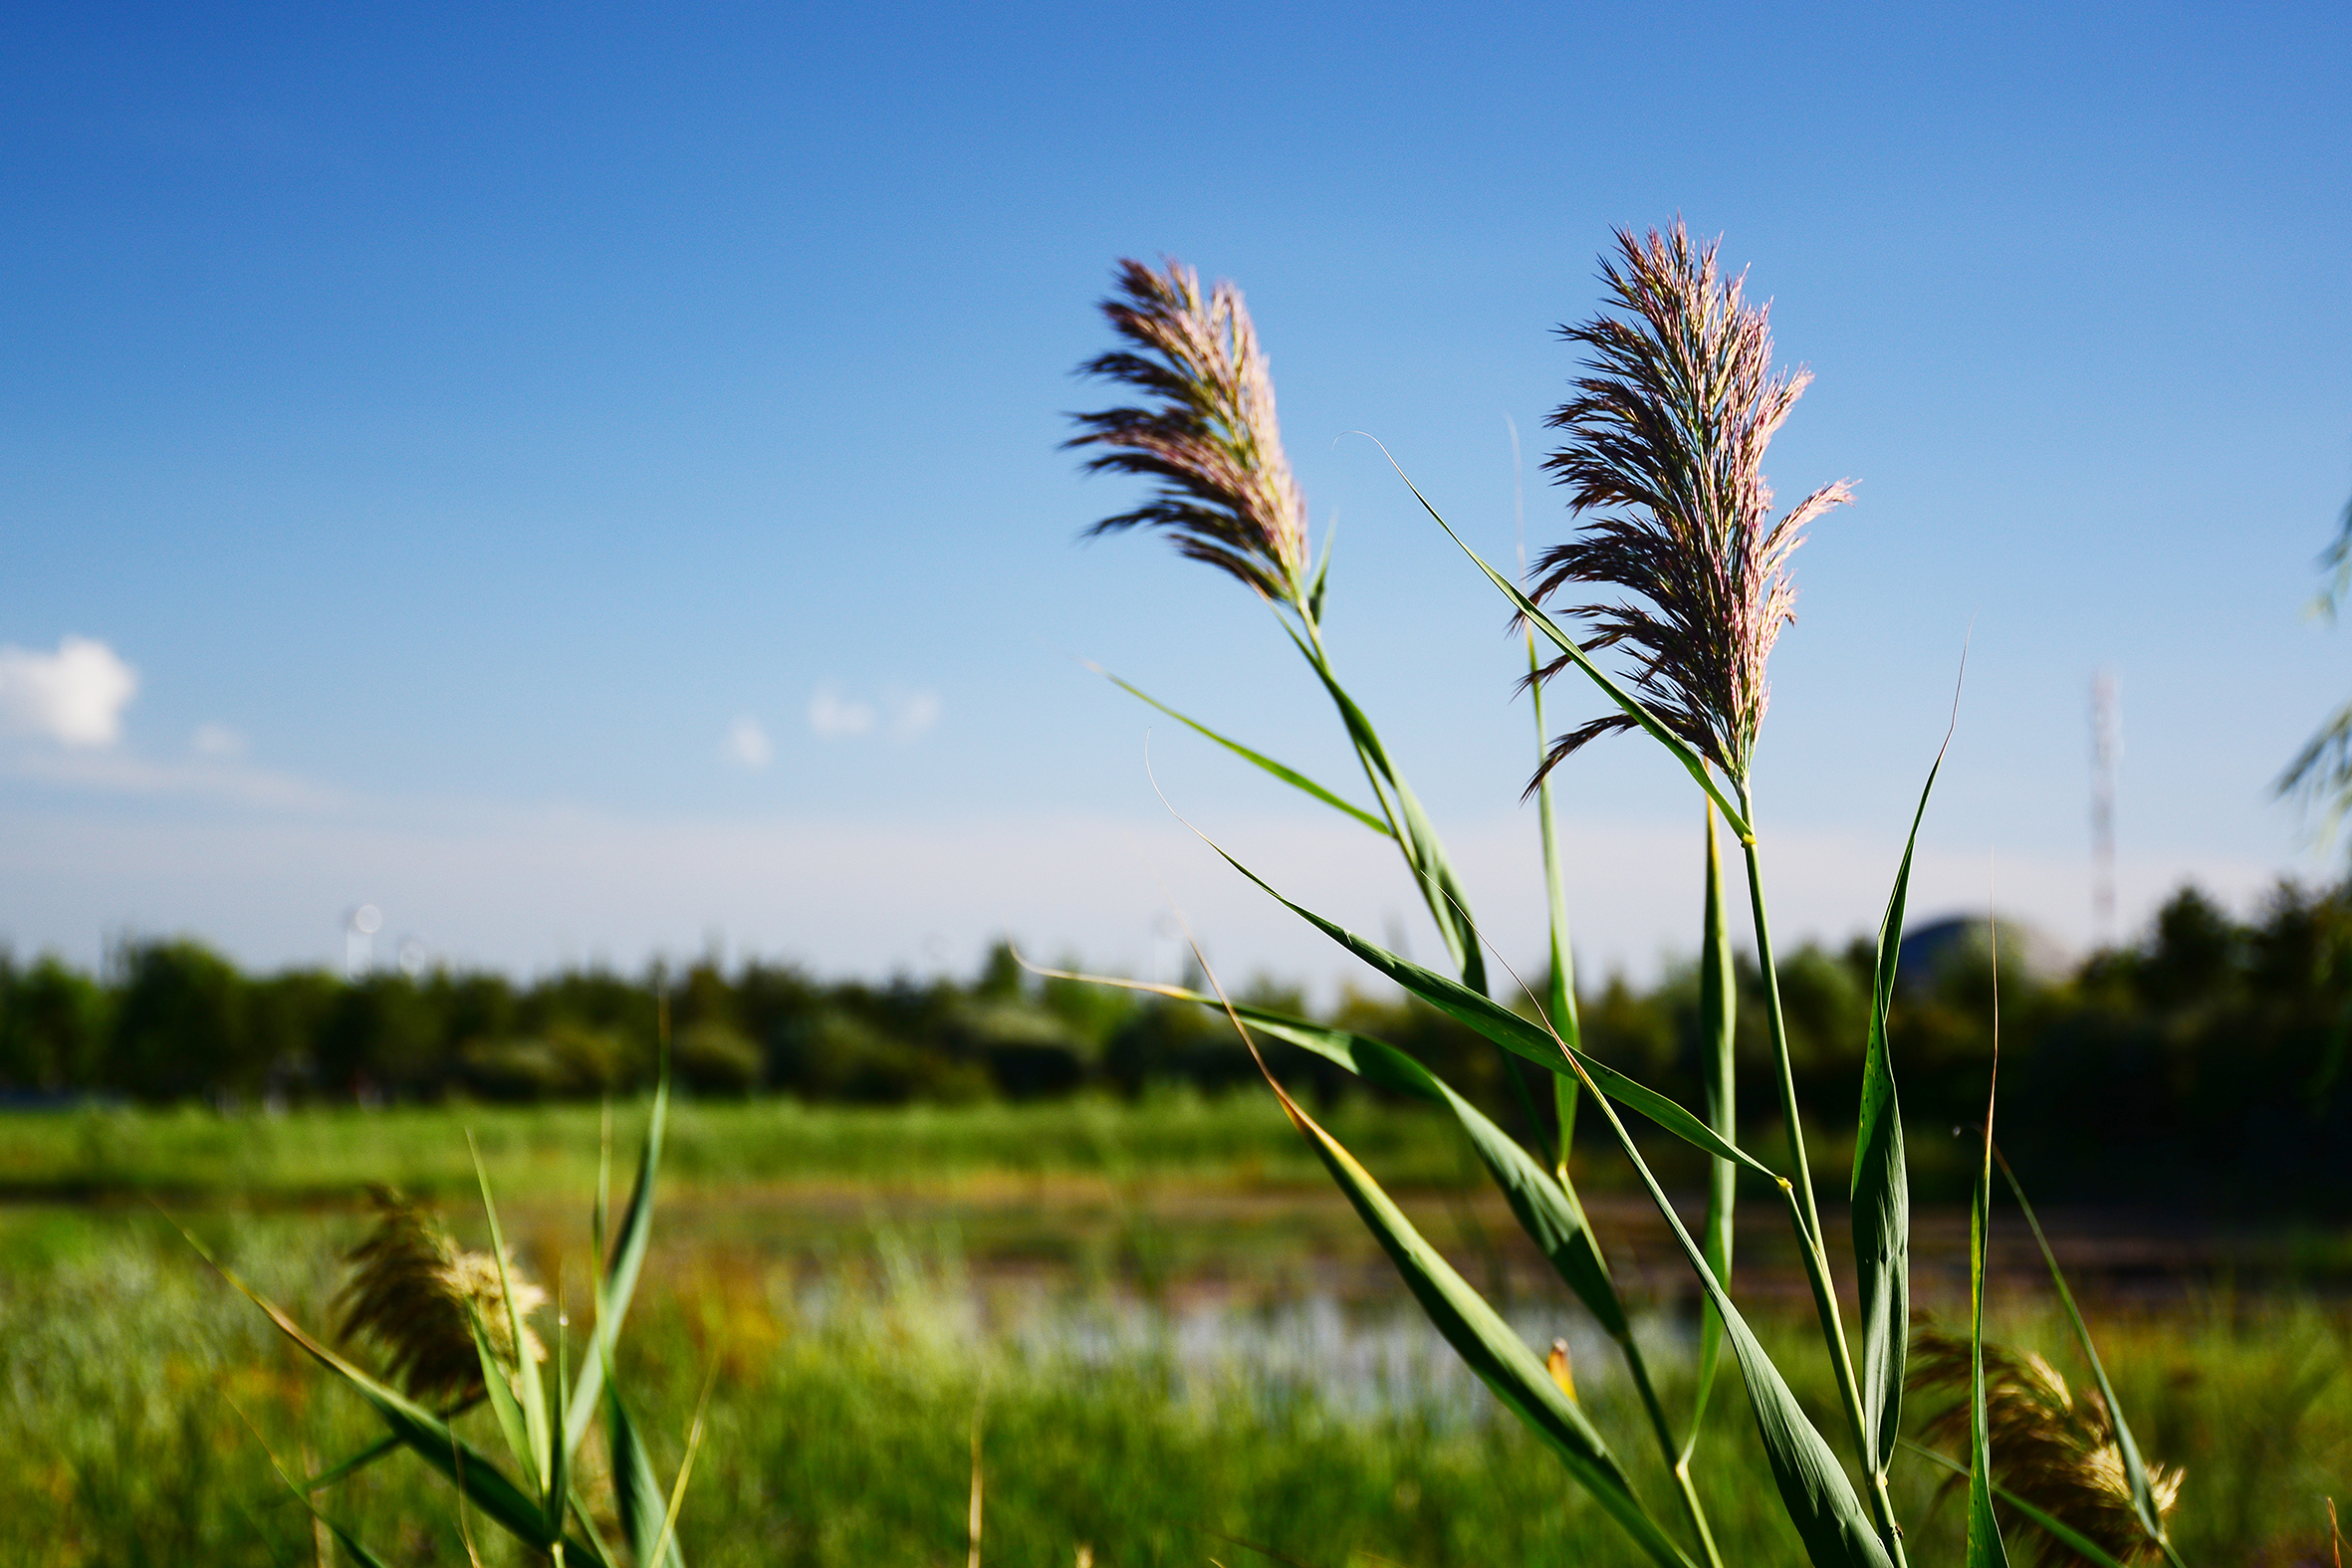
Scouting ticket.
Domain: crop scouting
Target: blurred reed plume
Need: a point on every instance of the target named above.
(2053, 1445)
(418, 1295)
(1666, 439)
(1208, 436)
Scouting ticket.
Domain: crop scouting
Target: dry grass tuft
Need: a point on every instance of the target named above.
(2053, 1445)
(413, 1292)
(1210, 436)
(1666, 443)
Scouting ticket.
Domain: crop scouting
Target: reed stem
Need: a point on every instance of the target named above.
(1803, 1210)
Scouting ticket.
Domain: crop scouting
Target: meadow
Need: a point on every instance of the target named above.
(1176, 1342)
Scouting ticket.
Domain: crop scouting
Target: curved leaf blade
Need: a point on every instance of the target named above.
(1819, 1499)
(1512, 1032)
(2133, 1467)
(1881, 1189)
(620, 1280)
(1984, 1548)
(1546, 1210)
(1489, 1346)
(1289, 776)
(1425, 853)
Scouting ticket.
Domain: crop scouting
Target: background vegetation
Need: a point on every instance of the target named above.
(1334, 1429)
(2212, 1052)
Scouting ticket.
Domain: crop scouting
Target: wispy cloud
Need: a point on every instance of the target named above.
(75, 696)
(832, 716)
(217, 739)
(912, 713)
(902, 714)
(746, 745)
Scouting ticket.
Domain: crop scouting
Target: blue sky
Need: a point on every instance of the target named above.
(585, 480)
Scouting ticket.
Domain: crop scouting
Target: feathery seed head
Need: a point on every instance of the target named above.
(2051, 1445)
(1666, 438)
(411, 1291)
(1208, 436)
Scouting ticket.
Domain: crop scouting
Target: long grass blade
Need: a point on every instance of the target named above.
(1717, 1017)
(352, 1545)
(1984, 1548)
(1512, 1032)
(637, 1494)
(501, 1395)
(1881, 1187)
(1815, 1490)
(530, 1392)
(1549, 1213)
(1559, 991)
(1633, 707)
(559, 1481)
(1425, 853)
(1288, 775)
(2135, 1470)
(1488, 1345)
(666, 1543)
(618, 1281)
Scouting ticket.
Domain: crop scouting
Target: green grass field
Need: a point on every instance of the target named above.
(1173, 1342)
(330, 1153)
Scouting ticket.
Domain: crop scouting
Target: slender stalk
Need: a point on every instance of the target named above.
(1849, 1391)
(1561, 998)
(1677, 1463)
(1803, 1210)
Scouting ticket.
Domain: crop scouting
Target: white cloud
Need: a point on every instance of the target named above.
(75, 696)
(902, 714)
(832, 715)
(912, 713)
(217, 739)
(748, 744)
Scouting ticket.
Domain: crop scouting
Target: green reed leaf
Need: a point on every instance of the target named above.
(1881, 1187)
(1425, 853)
(529, 1390)
(352, 1548)
(1288, 775)
(1489, 1346)
(559, 1480)
(1560, 1002)
(1322, 575)
(501, 1394)
(619, 1279)
(1984, 1548)
(1819, 1499)
(1545, 1208)
(1512, 1032)
(1718, 1016)
(2135, 1470)
(636, 1492)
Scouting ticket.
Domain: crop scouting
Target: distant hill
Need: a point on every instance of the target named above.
(1931, 951)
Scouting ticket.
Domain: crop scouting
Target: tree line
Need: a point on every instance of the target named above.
(2208, 1056)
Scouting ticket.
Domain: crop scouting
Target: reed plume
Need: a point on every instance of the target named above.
(416, 1293)
(2053, 1445)
(1208, 436)
(1665, 446)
